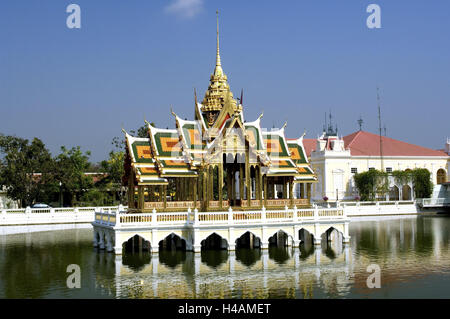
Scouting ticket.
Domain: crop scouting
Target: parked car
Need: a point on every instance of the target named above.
(40, 205)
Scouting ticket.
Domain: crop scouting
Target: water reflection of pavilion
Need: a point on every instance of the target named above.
(244, 273)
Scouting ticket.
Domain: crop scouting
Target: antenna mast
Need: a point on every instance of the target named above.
(360, 122)
(379, 123)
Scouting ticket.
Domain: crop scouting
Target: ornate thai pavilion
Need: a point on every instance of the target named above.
(217, 160)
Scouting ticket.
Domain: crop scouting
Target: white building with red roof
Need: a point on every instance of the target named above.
(336, 159)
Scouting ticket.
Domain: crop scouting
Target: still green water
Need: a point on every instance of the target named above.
(413, 255)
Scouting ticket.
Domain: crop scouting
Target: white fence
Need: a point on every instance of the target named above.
(433, 202)
(380, 208)
(108, 215)
(40, 216)
(230, 217)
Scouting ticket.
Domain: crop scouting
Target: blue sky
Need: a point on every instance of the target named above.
(295, 60)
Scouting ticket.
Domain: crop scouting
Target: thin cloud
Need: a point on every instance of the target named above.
(185, 8)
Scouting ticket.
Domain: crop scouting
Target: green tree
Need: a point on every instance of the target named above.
(423, 186)
(70, 167)
(26, 170)
(401, 177)
(371, 183)
(114, 169)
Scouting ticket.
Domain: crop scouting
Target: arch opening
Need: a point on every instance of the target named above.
(394, 193)
(406, 192)
(97, 239)
(214, 241)
(136, 244)
(172, 242)
(334, 240)
(248, 240)
(306, 243)
(279, 239)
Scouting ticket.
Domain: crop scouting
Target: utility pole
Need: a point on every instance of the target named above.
(379, 123)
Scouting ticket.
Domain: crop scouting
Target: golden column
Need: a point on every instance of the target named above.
(265, 190)
(220, 184)
(241, 183)
(248, 179)
(164, 194)
(291, 191)
(140, 197)
(195, 179)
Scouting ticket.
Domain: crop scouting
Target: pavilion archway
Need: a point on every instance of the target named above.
(136, 244)
(248, 240)
(172, 242)
(214, 241)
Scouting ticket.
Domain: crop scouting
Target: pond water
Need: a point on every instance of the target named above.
(413, 254)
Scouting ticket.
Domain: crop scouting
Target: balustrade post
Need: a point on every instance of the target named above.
(4, 211)
(118, 217)
(28, 210)
(316, 212)
(230, 215)
(189, 213)
(295, 217)
(154, 217)
(263, 214)
(195, 216)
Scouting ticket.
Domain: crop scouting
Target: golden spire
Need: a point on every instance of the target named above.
(218, 91)
(218, 52)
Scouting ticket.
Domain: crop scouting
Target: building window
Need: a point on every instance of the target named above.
(388, 169)
(441, 176)
(371, 168)
(354, 170)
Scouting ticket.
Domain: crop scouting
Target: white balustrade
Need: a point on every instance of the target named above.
(229, 217)
(117, 216)
(56, 215)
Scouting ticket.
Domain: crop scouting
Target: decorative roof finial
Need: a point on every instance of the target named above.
(218, 52)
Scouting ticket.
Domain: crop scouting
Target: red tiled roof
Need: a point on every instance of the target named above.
(310, 145)
(363, 143)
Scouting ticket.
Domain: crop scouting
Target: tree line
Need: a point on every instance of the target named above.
(30, 174)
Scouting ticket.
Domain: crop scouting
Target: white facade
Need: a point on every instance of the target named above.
(335, 167)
